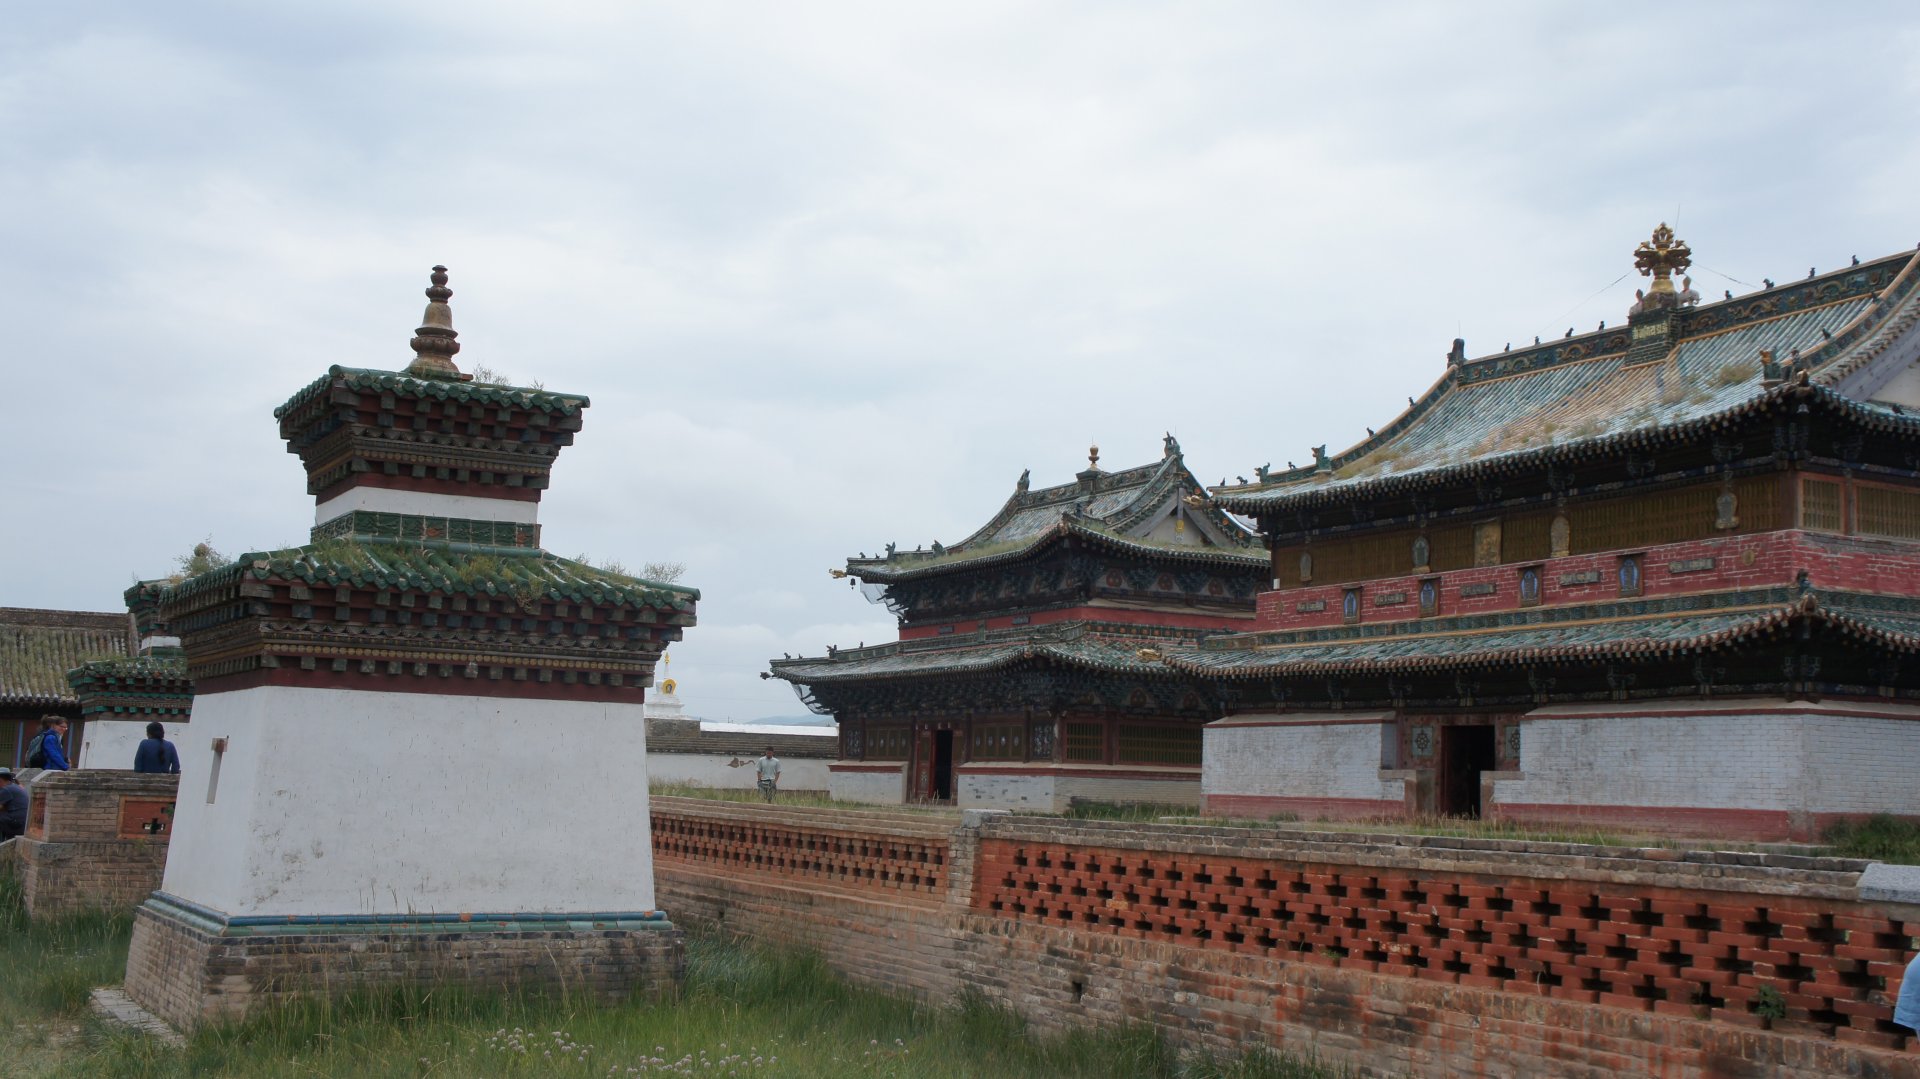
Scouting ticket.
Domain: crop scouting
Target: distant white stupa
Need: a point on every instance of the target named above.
(663, 702)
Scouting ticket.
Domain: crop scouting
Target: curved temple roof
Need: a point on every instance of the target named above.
(1576, 397)
(1119, 509)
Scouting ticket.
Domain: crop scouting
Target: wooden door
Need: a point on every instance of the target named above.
(922, 765)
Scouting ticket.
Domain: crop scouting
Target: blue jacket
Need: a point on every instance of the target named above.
(156, 755)
(56, 754)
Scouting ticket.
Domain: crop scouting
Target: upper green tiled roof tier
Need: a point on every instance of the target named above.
(1111, 648)
(38, 648)
(436, 567)
(1582, 398)
(1119, 510)
(1628, 630)
(401, 384)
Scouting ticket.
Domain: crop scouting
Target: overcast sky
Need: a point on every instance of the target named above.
(832, 276)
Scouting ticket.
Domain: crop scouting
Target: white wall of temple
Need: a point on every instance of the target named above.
(1055, 792)
(715, 770)
(1299, 755)
(333, 801)
(1826, 757)
(887, 787)
(426, 504)
(110, 743)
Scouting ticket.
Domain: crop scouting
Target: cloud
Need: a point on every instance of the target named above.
(834, 275)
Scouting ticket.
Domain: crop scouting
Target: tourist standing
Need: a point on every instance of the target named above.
(48, 750)
(13, 806)
(156, 755)
(1906, 1011)
(769, 768)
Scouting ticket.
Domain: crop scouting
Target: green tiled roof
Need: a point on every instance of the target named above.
(1627, 629)
(1575, 397)
(1093, 646)
(38, 648)
(1105, 508)
(907, 566)
(397, 382)
(442, 567)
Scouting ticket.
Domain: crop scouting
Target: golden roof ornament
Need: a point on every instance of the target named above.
(1093, 457)
(1661, 257)
(434, 342)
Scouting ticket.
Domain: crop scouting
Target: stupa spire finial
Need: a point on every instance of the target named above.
(434, 342)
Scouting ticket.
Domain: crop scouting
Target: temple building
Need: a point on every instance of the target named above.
(37, 649)
(1028, 672)
(418, 747)
(1664, 575)
(117, 697)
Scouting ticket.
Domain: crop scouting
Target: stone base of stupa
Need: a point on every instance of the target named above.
(191, 966)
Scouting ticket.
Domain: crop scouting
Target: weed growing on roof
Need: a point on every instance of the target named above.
(1734, 372)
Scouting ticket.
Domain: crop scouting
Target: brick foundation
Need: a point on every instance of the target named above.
(97, 840)
(1389, 954)
(189, 969)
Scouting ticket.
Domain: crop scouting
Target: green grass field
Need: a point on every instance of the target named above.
(743, 1011)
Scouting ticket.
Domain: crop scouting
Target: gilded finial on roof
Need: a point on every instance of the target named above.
(1093, 456)
(1661, 257)
(433, 343)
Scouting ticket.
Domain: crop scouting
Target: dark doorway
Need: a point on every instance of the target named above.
(1465, 752)
(943, 766)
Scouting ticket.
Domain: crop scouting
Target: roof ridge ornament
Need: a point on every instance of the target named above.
(1660, 258)
(434, 343)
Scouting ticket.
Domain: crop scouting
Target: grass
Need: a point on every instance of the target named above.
(1881, 837)
(742, 1011)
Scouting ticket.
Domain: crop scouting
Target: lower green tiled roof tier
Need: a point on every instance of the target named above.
(1089, 646)
(1624, 631)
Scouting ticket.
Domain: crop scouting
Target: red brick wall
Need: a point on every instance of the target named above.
(1752, 561)
(1431, 956)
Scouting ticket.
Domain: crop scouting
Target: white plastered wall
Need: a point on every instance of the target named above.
(336, 801)
(1299, 755)
(1827, 757)
(426, 504)
(110, 743)
(875, 788)
(714, 770)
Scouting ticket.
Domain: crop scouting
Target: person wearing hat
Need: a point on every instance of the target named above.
(13, 806)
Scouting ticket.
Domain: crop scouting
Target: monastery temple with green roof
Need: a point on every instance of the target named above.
(1664, 576)
(1029, 670)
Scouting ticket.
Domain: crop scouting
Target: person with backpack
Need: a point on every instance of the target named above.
(46, 750)
(156, 754)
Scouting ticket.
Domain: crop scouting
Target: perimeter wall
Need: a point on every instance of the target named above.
(1390, 954)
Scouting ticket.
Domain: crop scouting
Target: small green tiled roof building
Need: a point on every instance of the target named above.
(1028, 671)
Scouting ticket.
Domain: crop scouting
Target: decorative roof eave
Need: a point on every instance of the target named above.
(398, 382)
(890, 571)
(821, 671)
(1462, 657)
(1251, 501)
(436, 567)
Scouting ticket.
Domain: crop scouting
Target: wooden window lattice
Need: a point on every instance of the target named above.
(1147, 743)
(1820, 504)
(998, 742)
(1886, 511)
(1085, 742)
(887, 744)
